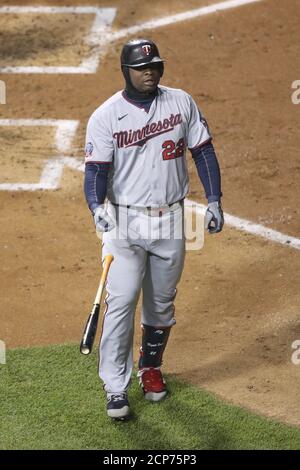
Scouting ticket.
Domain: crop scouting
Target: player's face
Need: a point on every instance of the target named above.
(146, 78)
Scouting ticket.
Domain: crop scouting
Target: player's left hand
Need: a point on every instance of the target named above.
(214, 219)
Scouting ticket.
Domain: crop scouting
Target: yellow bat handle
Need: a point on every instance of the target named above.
(106, 265)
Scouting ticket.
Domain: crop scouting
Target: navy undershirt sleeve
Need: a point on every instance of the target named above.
(95, 183)
(208, 170)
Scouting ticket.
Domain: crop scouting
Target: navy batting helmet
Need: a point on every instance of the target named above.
(140, 52)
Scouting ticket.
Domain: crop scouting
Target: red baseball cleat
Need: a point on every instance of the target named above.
(152, 383)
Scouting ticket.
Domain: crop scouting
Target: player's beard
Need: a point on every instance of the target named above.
(132, 92)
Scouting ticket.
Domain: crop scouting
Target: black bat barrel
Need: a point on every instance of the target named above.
(89, 334)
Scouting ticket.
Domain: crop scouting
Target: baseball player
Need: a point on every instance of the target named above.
(136, 180)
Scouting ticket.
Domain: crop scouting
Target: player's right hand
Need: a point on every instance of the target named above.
(103, 222)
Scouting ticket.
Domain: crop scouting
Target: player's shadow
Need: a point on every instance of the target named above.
(265, 350)
(172, 424)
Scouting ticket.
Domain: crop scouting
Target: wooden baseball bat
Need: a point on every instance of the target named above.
(89, 333)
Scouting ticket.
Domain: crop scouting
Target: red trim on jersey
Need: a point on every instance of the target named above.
(200, 145)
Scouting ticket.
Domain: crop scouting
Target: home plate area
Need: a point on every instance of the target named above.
(237, 307)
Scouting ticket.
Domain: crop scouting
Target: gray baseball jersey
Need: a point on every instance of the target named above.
(147, 149)
(149, 169)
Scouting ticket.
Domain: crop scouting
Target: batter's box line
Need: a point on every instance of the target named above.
(50, 177)
(52, 171)
(176, 18)
(100, 28)
(248, 226)
(101, 35)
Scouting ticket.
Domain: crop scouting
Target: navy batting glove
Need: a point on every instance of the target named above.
(214, 219)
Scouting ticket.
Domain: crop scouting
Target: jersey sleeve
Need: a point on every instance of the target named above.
(99, 146)
(198, 131)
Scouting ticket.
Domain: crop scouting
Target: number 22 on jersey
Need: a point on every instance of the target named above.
(172, 150)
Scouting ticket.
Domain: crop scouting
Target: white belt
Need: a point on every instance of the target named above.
(154, 211)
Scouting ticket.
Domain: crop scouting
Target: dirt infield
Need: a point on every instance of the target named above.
(237, 307)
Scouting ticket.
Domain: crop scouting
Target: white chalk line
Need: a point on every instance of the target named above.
(48, 9)
(50, 177)
(178, 17)
(65, 129)
(101, 36)
(248, 226)
(101, 27)
(52, 172)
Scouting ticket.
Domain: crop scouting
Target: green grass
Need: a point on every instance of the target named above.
(51, 398)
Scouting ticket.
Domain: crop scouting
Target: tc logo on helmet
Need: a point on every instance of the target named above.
(147, 49)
